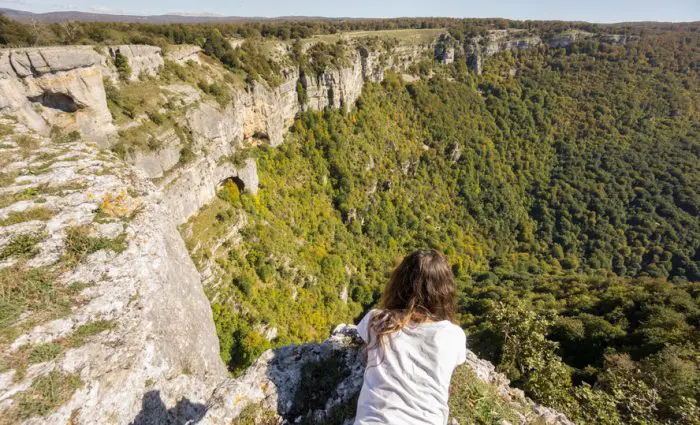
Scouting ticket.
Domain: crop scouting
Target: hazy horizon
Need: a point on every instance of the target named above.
(597, 11)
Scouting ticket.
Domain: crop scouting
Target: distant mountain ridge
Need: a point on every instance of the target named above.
(170, 18)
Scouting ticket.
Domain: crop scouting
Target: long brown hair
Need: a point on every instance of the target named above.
(421, 288)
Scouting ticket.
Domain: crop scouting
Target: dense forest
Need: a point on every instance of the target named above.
(562, 184)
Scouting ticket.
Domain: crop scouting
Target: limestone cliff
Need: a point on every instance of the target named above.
(55, 86)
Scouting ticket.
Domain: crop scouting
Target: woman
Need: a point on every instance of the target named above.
(412, 345)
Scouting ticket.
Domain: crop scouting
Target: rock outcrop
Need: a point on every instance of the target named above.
(143, 60)
(55, 86)
(318, 383)
(497, 41)
(182, 53)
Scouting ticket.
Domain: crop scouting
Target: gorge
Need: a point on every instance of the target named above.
(130, 190)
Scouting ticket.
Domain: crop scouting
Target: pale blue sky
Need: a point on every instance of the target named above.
(584, 10)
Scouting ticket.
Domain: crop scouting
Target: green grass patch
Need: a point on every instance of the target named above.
(22, 245)
(31, 354)
(80, 336)
(6, 130)
(80, 244)
(37, 213)
(32, 290)
(44, 352)
(23, 288)
(255, 414)
(38, 193)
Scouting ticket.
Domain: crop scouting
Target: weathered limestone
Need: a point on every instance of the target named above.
(55, 86)
(182, 53)
(567, 38)
(497, 41)
(142, 59)
(163, 339)
(335, 88)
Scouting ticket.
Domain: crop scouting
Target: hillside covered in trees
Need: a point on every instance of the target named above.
(561, 183)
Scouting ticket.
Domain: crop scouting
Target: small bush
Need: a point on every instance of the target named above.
(474, 401)
(122, 64)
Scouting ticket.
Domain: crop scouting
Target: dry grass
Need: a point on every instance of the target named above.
(22, 245)
(37, 213)
(45, 395)
(79, 244)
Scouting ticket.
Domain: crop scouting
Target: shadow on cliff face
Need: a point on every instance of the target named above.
(153, 411)
(318, 383)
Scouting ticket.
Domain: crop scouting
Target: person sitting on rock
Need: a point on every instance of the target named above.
(412, 345)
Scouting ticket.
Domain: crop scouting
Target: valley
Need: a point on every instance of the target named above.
(244, 188)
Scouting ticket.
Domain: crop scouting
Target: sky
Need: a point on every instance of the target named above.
(603, 11)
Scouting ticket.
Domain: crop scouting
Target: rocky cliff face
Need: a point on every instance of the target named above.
(55, 86)
(134, 340)
(137, 319)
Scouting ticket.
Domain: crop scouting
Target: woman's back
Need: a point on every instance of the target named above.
(408, 376)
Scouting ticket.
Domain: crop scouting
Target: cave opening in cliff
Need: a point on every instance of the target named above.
(235, 180)
(59, 101)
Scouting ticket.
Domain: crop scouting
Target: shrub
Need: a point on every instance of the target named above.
(121, 62)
